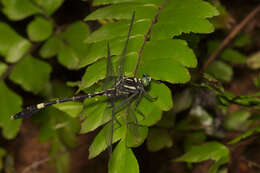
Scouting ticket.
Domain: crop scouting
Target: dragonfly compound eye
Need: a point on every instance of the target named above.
(146, 80)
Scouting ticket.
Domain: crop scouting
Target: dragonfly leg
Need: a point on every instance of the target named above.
(117, 121)
(110, 148)
(114, 119)
(136, 104)
(148, 96)
(139, 112)
(126, 101)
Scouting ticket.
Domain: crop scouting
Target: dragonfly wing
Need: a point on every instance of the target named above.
(109, 113)
(110, 79)
(122, 57)
(136, 133)
(113, 123)
(109, 82)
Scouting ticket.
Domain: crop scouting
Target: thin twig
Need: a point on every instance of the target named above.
(38, 163)
(226, 41)
(252, 163)
(147, 35)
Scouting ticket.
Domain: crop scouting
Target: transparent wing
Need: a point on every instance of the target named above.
(108, 115)
(136, 133)
(109, 82)
(110, 79)
(122, 57)
(109, 112)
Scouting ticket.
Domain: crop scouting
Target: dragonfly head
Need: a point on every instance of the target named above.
(146, 80)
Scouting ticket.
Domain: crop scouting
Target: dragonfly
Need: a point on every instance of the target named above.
(122, 86)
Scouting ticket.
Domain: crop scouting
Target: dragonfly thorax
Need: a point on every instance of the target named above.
(128, 85)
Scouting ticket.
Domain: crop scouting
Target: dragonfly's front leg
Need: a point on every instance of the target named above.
(148, 96)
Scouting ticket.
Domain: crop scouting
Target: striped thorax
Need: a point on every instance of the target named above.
(129, 85)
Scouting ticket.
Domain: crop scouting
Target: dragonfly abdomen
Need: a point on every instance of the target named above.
(28, 111)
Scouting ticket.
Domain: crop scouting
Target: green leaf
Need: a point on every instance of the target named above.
(50, 6)
(94, 112)
(169, 63)
(228, 98)
(158, 139)
(214, 168)
(118, 30)
(98, 50)
(254, 61)
(93, 74)
(151, 111)
(170, 70)
(136, 137)
(60, 89)
(12, 46)
(3, 68)
(51, 47)
(222, 21)
(237, 120)
(242, 40)
(210, 150)
(71, 108)
(162, 94)
(10, 105)
(72, 48)
(31, 73)
(234, 56)
(99, 144)
(176, 17)
(124, 11)
(167, 120)
(103, 2)
(164, 49)
(182, 100)
(136, 134)
(39, 29)
(18, 10)
(184, 16)
(245, 135)
(194, 138)
(220, 70)
(123, 160)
